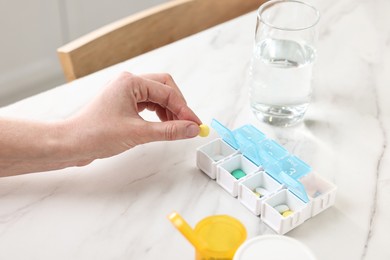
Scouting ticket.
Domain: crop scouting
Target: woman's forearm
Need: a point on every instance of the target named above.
(31, 146)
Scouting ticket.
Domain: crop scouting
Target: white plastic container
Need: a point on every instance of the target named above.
(285, 179)
(273, 247)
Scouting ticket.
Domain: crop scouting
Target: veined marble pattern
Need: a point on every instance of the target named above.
(117, 208)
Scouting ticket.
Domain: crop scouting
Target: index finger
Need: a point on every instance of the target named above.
(149, 90)
(165, 79)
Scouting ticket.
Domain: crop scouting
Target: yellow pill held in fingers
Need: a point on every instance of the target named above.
(287, 213)
(204, 130)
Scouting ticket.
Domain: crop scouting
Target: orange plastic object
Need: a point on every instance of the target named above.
(215, 237)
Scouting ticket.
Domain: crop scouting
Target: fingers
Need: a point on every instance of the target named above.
(162, 113)
(169, 130)
(166, 79)
(168, 97)
(163, 78)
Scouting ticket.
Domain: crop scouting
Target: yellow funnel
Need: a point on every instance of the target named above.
(214, 237)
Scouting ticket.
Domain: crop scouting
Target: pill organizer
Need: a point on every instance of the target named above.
(265, 177)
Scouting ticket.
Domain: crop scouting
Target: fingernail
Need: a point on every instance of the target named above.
(192, 130)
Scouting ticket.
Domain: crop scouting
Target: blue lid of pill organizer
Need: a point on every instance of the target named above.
(294, 167)
(270, 152)
(294, 186)
(288, 171)
(248, 137)
(248, 148)
(224, 133)
(251, 133)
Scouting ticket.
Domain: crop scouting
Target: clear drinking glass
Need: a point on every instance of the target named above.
(282, 61)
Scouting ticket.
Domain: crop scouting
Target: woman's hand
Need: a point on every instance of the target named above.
(110, 124)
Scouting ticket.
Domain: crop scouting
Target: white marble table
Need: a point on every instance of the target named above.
(117, 208)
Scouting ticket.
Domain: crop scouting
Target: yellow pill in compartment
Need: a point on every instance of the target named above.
(258, 194)
(287, 213)
(204, 130)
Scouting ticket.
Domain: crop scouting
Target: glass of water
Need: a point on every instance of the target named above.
(282, 62)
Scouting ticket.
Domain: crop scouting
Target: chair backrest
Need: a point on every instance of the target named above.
(145, 31)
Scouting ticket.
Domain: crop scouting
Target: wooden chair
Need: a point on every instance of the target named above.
(145, 31)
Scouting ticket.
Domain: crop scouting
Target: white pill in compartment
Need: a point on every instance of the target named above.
(282, 208)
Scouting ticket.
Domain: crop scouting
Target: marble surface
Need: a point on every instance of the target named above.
(117, 208)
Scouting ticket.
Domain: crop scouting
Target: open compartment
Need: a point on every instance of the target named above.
(254, 189)
(233, 170)
(278, 221)
(322, 193)
(209, 155)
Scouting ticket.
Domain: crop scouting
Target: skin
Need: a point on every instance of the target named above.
(110, 124)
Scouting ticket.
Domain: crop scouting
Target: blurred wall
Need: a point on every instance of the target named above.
(31, 31)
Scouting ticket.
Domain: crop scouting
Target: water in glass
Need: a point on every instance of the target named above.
(280, 80)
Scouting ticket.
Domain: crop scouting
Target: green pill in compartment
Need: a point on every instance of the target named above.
(238, 173)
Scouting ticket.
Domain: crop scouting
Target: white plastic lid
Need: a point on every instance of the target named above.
(275, 247)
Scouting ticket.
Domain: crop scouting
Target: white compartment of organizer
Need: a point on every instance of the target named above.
(253, 200)
(226, 169)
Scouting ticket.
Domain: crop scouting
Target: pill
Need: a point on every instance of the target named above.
(204, 130)
(217, 157)
(316, 194)
(287, 213)
(261, 191)
(238, 173)
(257, 194)
(282, 208)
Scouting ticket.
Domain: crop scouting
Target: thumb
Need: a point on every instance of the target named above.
(171, 130)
